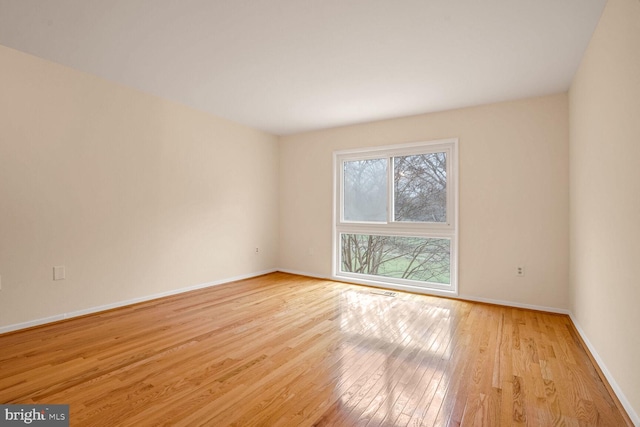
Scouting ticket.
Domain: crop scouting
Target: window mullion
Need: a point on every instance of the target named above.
(390, 191)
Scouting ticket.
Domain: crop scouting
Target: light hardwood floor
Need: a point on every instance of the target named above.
(285, 350)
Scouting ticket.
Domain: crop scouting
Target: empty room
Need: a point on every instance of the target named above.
(320, 213)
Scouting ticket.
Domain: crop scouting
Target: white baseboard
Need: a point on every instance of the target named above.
(303, 273)
(353, 281)
(434, 293)
(612, 382)
(82, 312)
(514, 304)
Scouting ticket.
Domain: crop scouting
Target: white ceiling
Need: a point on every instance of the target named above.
(285, 66)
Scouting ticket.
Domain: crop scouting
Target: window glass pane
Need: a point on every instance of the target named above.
(365, 190)
(413, 258)
(420, 187)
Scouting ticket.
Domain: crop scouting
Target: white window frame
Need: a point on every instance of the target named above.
(447, 229)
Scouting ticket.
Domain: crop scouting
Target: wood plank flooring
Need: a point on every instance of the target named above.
(285, 350)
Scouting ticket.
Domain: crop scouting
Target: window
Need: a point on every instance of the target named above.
(396, 216)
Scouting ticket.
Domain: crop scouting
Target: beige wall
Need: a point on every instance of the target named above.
(605, 194)
(133, 194)
(513, 194)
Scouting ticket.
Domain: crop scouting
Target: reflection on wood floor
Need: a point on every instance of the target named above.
(285, 350)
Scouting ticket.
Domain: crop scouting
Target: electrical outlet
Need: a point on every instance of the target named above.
(520, 270)
(257, 250)
(59, 272)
